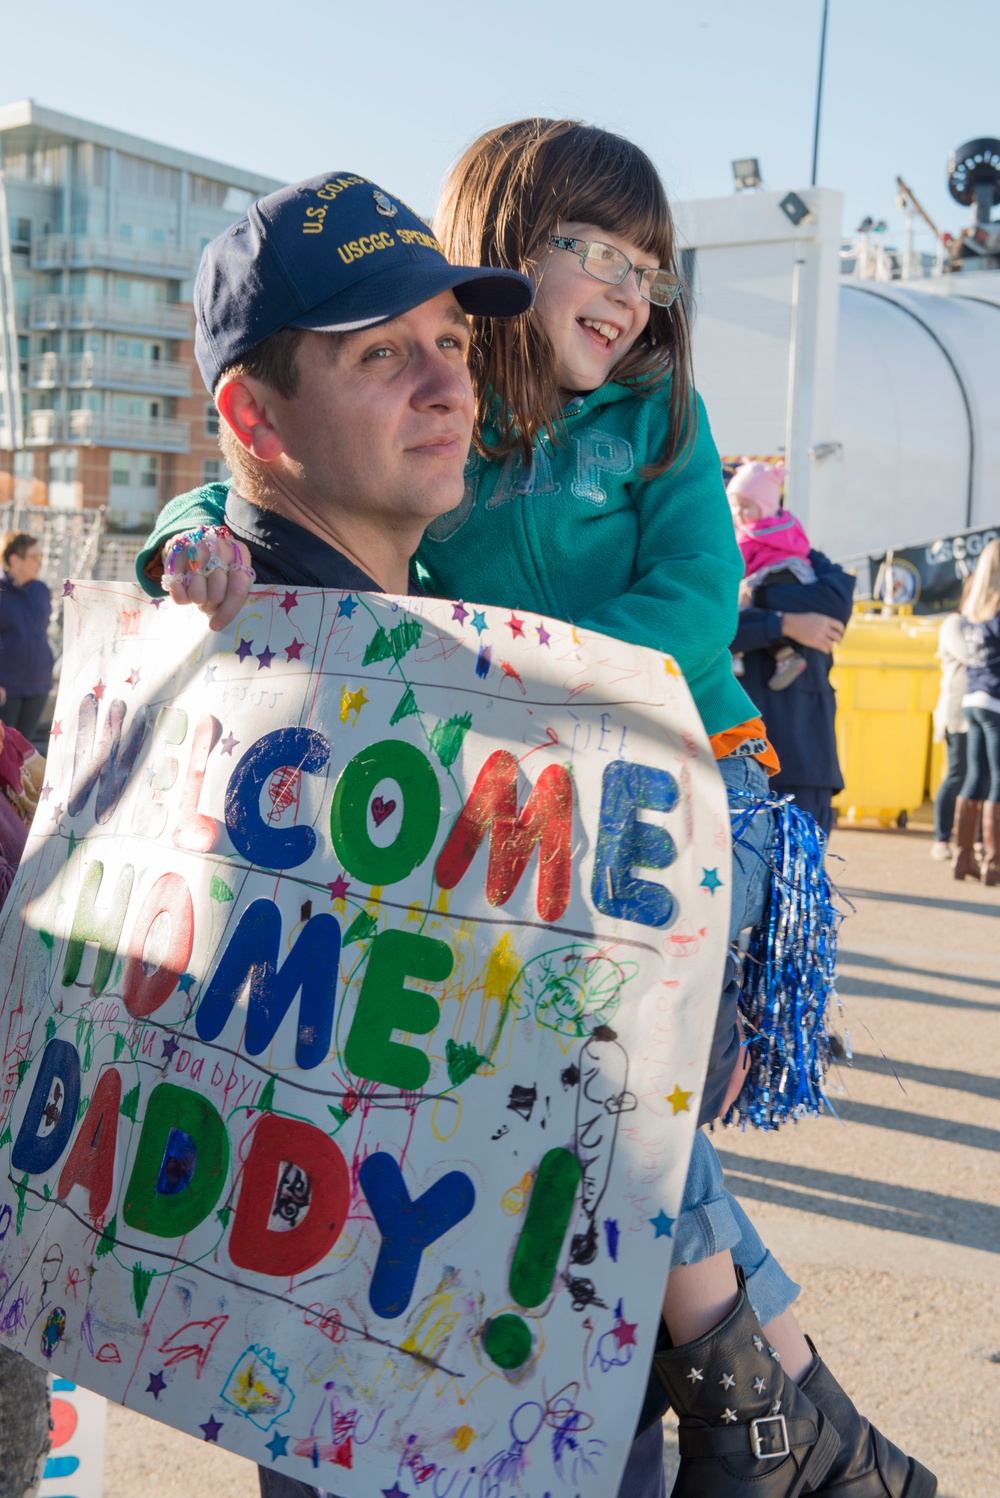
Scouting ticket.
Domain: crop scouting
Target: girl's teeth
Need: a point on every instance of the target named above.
(606, 329)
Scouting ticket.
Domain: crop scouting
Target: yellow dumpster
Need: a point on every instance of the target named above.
(886, 677)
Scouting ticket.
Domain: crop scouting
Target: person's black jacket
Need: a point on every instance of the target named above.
(799, 719)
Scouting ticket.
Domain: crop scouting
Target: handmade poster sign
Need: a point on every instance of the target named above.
(357, 989)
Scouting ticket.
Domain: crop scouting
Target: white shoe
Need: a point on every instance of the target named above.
(941, 852)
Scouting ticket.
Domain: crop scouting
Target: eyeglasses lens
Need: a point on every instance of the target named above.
(659, 286)
(606, 263)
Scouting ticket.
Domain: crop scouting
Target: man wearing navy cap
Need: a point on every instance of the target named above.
(332, 332)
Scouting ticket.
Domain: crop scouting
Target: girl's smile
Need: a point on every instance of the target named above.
(592, 324)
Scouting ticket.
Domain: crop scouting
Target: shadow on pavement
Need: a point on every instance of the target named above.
(863, 988)
(899, 1209)
(965, 907)
(868, 959)
(929, 1076)
(974, 1136)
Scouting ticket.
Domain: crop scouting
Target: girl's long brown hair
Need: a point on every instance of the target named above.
(499, 205)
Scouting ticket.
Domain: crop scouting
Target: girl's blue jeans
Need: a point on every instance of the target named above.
(710, 1219)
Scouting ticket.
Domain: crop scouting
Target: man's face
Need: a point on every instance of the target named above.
(381, 424)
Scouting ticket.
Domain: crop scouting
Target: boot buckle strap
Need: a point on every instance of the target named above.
(769, 1443)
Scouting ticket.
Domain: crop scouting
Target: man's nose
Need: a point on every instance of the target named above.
(444, 381)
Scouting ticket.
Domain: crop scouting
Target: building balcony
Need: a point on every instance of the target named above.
(100, 372)
(101, 429)
(68, 252)
(45, 372)
(156, 320)
(46, 312)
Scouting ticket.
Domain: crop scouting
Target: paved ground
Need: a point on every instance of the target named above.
(889, 1218)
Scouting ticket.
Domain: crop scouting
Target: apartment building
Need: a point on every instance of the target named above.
(101, 402)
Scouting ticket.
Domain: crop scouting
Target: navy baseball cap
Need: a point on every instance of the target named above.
(334, 254)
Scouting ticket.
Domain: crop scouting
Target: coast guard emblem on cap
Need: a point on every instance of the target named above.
(383, 205)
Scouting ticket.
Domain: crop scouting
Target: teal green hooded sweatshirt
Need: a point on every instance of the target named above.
(581, 536)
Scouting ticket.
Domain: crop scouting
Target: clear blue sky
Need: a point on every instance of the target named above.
(396, 89)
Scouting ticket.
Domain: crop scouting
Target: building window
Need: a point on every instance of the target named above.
(24, 465)
(211, 421)
(92, 164)
(214, 471)
(22, 231)
(146, 178)
(124, 231)
(62, 465)
(149, 470)
(121, 470)
(207, 194)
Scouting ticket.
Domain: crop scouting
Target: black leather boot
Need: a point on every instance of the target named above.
(745, 1431)
(867, 1465)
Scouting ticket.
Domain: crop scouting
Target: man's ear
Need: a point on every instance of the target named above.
(245, 408)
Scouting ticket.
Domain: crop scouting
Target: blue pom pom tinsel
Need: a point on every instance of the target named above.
(788, 974)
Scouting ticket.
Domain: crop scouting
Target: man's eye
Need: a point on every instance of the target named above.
(451, 340)
(376, 354)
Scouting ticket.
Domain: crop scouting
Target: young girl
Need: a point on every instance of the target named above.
(595, 495)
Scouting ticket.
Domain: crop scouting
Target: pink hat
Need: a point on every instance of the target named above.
(759, 482)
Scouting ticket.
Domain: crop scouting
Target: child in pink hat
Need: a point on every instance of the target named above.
(774, 546)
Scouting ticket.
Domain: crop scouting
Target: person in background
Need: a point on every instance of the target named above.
(774, 548)
(801, 721)
(950, 728)
(981, 704)
(25, 653)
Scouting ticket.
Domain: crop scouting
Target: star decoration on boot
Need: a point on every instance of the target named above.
(727, 1380)
(759, 1386)
(696, 1376)
(776, 1355)
(758, 1344)
(776, 1407)
(729, 1416)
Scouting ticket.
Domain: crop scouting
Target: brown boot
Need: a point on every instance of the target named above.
(990, 868)
(964, 864)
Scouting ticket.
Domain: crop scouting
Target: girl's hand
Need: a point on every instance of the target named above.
(210, 569)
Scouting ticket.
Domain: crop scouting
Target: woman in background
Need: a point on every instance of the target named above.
(25, 654)
(981, 703)
(950, 727)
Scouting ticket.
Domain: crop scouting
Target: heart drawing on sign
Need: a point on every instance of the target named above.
(382, 809)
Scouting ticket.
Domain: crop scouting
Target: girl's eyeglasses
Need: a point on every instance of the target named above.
(605, 263)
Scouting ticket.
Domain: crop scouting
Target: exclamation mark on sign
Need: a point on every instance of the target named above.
(550, 1209)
